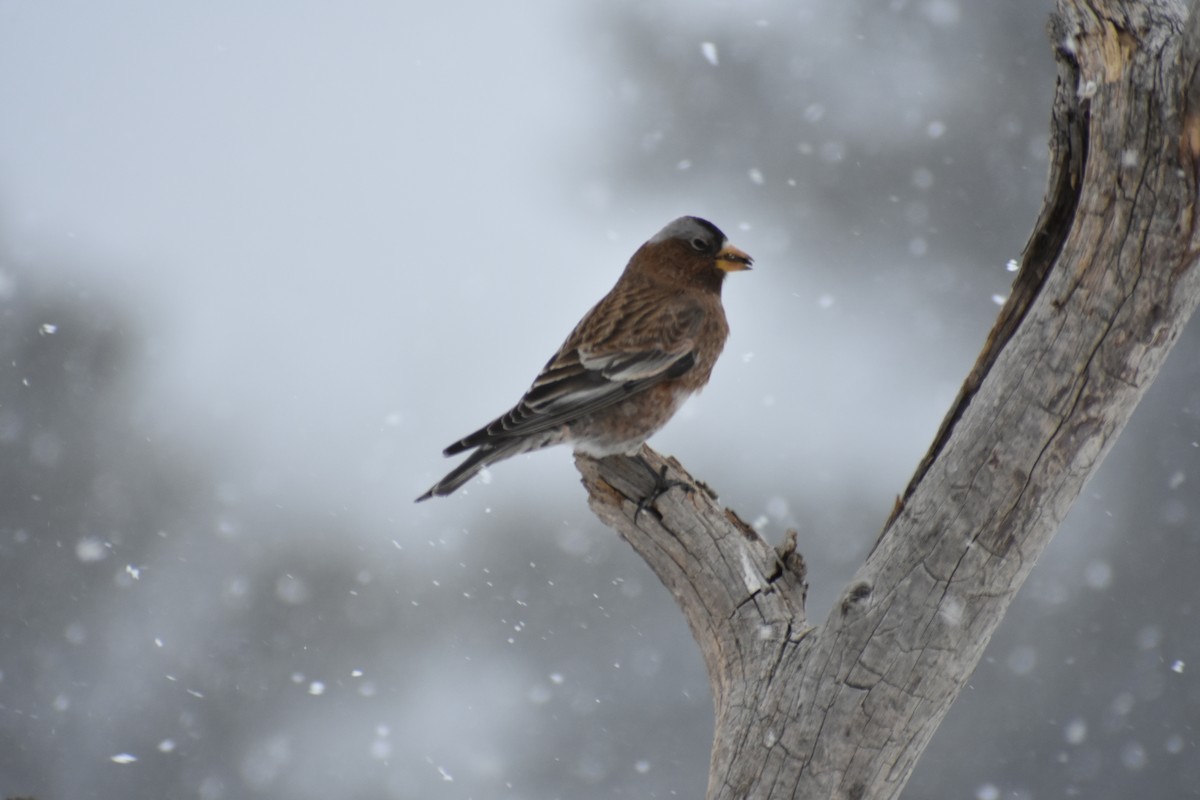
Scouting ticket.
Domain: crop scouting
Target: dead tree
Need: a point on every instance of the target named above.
(1107, 281)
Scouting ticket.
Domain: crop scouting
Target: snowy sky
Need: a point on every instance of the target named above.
(337, 238)
(354, 236)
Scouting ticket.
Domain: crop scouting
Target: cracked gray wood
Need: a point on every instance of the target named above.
(1107, 281)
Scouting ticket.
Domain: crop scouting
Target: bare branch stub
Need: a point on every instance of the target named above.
(715, 564)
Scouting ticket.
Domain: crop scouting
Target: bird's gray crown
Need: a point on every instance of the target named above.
(688, 228)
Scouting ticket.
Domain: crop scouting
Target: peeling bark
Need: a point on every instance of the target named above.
(1108, 279)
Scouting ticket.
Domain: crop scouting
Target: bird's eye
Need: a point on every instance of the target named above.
(699, 244)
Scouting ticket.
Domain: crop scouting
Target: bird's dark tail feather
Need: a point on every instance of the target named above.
(468, 469)
(467, 442)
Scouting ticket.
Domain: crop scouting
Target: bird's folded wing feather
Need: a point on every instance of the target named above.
(608, 358)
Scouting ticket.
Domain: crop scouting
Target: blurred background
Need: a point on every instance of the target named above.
(260, 263)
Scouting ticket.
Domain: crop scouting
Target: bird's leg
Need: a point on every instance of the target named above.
(661, 485)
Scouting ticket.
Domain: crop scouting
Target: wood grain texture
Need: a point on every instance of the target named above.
(1108, 280)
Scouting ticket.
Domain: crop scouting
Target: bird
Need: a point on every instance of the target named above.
(629, 364)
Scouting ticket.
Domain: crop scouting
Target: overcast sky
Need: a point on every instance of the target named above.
(329, 240)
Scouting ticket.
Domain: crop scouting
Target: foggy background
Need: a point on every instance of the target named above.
(260, 263)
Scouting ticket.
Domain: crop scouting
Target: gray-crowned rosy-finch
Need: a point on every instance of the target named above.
(630, 362)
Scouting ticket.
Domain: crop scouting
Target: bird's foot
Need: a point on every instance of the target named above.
(661, 486)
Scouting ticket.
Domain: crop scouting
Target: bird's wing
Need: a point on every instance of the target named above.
(615, 352)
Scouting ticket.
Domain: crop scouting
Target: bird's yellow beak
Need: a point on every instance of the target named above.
(730, 259)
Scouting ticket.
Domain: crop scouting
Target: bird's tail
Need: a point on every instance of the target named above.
(485, 455)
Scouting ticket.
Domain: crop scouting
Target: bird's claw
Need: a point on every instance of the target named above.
(661, 486)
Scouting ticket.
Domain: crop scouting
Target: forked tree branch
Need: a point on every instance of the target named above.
(1108, 279)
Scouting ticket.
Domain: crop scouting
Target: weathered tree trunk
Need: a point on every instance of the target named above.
(1107, 281)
